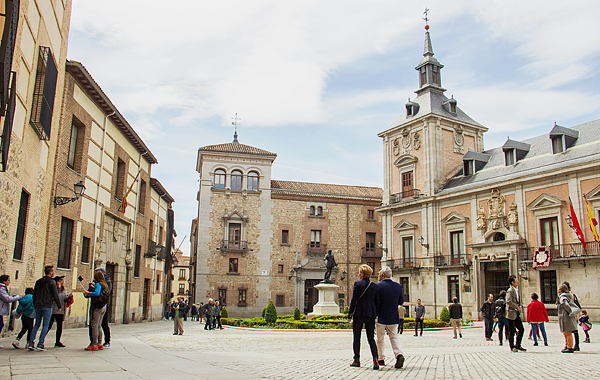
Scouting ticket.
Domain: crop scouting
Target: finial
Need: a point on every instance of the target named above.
(426, 19)
(235, 123)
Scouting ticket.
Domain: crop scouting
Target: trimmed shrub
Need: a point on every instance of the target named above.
(224, 313)
(264, 312)
(271, 313)
(445, 314)
(296, 314)
(346, 310)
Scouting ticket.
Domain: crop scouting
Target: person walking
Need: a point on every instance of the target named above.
(45, 294)
(419, 316)
(105, 326)
(194, 312)
(536, 316)
(99, 299)
(178, 310)
(201, 311)
(456, 314)
(362, 312)
(488, 316)
(5, 299)
(167, 310)
(58, 310)
(217, 319)
(567, 317)
(500, 314)
(27, 311)
(401, 314)
(515, 325)
(586, 325)
(209, 313)
(390, 298)
(576, 330)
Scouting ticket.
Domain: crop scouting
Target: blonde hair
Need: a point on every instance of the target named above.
(366, 271)
(584, 312)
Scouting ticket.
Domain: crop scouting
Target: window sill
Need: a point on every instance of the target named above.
(84, 263)
(73, 170)
(233, 273)
(242, 305)
(370, 220)
(18, 260)
(317, 216)
(59, 268)
(285, 244)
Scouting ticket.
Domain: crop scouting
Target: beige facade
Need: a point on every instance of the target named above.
(458, 220)
(37, 33)
(181, 275)
(259, 239)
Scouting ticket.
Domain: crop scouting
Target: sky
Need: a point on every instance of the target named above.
(315, 81)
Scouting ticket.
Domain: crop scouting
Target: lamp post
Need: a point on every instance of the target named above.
(78, 189)
(422, 242)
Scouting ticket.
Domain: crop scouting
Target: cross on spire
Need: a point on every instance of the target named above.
(426, 18)
(235, 122)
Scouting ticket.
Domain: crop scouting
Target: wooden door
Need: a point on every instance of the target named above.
(407, 185)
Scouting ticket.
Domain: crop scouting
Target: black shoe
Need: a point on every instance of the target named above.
(416, 334)
(514, 349)
(175, 334)
(535, 343)
(375, 364)
(545, 343)
(381, 362)
(355, 363)
(567, 350)
(576, 348)
(399, 361)
(59, 344)
(500, 343)
(521, 348)
(460, 335)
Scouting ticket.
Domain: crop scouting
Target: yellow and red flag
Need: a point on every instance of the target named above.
(124, 203)
(593, 221)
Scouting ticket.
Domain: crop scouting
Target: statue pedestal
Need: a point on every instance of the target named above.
(326, 304)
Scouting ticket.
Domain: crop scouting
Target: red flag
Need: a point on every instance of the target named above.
(576, 226)
(124, 204)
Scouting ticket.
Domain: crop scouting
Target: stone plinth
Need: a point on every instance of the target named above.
(326, 304)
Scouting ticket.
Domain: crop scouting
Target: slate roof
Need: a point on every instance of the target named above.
(471, 155)
(539, 159)
(237, 148)
(326, 190)
(558, 130)
(509, 144)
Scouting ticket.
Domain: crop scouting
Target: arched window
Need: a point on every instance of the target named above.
(499, 236)
(253, 181)
(219, 179)
(312, 210)
(319, 211)
(236, 180)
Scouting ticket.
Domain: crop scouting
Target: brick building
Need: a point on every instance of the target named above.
(259, 239)
(458, 219)
(34, 49)
(97, 146)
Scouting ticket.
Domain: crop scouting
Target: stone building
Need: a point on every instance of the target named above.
(34, 49)
(120, 222)
(260, 239)
(458, 219)
(181, 275)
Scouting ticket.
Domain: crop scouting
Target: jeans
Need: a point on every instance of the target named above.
(97, 315)
(517, 325)
(489, 323)
(26, 327)
(209, 322)
(502, 322)
(418, 321)
(357, 325)
(535, 332)
(59, 325)
(41, 314)
(401, 327)
(217, 322)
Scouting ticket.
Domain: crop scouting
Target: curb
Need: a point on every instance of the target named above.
(330, 330)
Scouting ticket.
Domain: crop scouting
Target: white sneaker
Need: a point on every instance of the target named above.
(1, 346)
(16, 344)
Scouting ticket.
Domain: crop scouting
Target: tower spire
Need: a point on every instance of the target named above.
(429, 68)
(235, 123)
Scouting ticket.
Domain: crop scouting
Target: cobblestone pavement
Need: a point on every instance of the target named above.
(150, 351)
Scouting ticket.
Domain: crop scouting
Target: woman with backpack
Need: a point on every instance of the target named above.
(500, 315)
(99, 299)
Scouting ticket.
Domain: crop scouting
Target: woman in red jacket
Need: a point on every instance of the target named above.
(537, 315)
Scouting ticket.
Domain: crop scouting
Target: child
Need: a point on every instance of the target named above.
(586, 325)
(27, 316)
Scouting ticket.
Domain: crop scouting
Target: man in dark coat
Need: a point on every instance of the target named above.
(390, 297)
(456, 316)
(488, 316)
(45, 294)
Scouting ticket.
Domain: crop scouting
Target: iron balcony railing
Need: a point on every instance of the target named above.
(234, 245)
(405, 263)
(157, 250)
(371, 252)
(315, 247)
(405, 196)
(452, 260)
(564, 251)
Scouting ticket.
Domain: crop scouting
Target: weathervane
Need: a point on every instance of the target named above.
(235, 123)
(426, 19)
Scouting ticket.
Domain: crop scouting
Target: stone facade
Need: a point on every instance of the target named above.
(458, 220)
(181, 275)
(265, 240)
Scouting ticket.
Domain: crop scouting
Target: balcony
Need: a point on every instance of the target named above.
(315, 247)
(233, 246)
(406, 263)
(452, 260)
(564, 251)
(371, 252)
(405, 196)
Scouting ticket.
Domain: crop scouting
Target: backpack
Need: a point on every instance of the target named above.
(100, 301)
(500, 309)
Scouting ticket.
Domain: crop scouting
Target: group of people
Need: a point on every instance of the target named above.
(179, 309)
(505, 312)
(46, 303)
(376, 306)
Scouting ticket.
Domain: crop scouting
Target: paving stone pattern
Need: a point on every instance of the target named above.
(150, 351)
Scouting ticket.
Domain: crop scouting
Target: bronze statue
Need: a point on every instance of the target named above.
(329, 264)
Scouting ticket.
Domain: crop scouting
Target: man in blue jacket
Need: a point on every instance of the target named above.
(390, 297)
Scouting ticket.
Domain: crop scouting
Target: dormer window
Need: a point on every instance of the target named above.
(557, 145)
(474, 161)
(509, 157)
(468, 167)
(450, 105)
(412, 108)
(453, 107)
(408, 110)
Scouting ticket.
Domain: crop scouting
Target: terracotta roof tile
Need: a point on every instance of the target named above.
(326, 190)
(237, 148)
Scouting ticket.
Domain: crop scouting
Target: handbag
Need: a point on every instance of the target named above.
(16, 315)
(574, 310)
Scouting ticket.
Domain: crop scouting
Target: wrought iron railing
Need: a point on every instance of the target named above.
(452, 260)
(371, 252)
(405, 196)
(315, 247)
(234, 245)
(405, 263)
(564, 251)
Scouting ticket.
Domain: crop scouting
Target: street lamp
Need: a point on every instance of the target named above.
(569, 221)
(78, 189)
(422, 241)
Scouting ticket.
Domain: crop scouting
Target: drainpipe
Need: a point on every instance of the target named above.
(96, 235)
(347, 253)
(155, 257)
